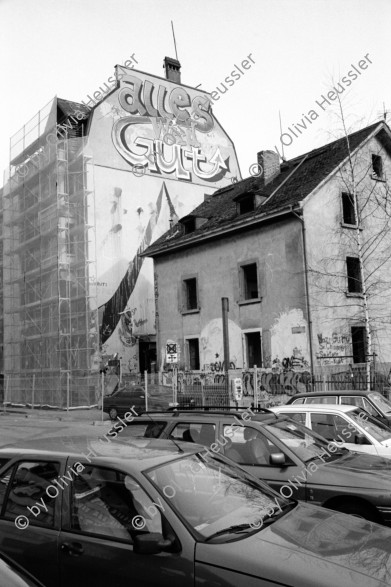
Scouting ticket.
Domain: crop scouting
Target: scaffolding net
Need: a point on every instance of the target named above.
(51, 335)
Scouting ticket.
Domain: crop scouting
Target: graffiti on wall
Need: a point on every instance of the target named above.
(333, 349)
(289, 340)
(270, 382)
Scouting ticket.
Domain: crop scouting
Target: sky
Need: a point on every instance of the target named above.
(300, 50)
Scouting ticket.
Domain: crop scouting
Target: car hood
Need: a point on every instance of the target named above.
(352, 470)
(308, 545)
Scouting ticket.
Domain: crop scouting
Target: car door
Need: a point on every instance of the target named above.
(104, 510)
(30, 503)
(251, 448)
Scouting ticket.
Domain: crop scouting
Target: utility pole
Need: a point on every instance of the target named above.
(225, 310)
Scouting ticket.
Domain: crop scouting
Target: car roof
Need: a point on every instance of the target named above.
(315, 408)
(139, 453)
(333, 392)
(201, 415)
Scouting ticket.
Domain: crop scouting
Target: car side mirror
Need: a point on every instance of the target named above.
(277, 459)
(152, 543)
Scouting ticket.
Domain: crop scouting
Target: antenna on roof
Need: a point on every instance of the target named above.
(283, 154)
(385, 112)
(173, 34)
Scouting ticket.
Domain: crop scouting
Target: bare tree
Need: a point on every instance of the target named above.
(357, 286)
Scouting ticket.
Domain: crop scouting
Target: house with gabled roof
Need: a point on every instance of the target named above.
(287, 249)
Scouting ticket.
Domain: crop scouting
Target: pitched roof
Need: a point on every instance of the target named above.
(297, 179)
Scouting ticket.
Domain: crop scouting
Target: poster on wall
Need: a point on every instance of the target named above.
(157, 151)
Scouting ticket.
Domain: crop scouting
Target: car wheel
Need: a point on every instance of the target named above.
(113, 413)
(357, 510)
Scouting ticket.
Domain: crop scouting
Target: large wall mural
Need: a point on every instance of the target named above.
(157, 150)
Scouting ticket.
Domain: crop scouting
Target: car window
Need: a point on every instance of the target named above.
(194, 432)
(323, 399)
(248, 446)
(381, 402)
(137, 429)
(331, 427)
(375, 428)
(352, 400)
(300, 418)
(28, 483)
(300, 400)
(3, 462)
(368, 407)
(111, 504)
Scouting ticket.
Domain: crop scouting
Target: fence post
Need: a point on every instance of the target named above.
(255, 379)
(202, 393)
(102, 386)
(33, 392)
(146, 389)
(68, 376)
(6, 393)
(324, 383)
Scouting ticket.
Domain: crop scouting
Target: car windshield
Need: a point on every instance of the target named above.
(216, 498)
(381, 402)
(371, 425)
(305, 443)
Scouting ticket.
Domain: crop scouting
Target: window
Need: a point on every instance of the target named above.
(354, 275)
(249, 279)
(193, 353)
(349, 213)
(299, 418)
(26, 485)
(191, 432)
(189, 224)
(246, 205)
(352, 400)
(327, 399)
(253, 349)
(359, 344)
(111, 504)
(190, 295)
(377, 167)
(143, 430)
(248, 446)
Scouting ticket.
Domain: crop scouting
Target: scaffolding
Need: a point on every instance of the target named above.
(51, 334)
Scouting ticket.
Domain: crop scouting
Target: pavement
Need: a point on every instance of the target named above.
(25, 423)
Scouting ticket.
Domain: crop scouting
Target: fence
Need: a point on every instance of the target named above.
(268, 387)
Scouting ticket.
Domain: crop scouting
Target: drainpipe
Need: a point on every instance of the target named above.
(306, 290)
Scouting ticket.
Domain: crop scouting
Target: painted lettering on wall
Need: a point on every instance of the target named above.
(164, 131)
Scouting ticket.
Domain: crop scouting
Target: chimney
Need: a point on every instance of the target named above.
(270, 162)
(173, 69)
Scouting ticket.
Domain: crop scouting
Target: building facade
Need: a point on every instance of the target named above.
(89, 187)
(303, 255)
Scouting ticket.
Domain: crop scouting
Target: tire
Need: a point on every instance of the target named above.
(357, 510)
(113, 414)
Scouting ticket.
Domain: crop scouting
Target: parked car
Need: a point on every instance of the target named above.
(160, 513)
(13, 575)
(120, 402)
(349, 426)
(373, 402)
(282, 452)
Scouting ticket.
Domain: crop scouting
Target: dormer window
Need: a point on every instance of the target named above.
(248, 202)
(377, 167)
(246, 205)
(189, 224)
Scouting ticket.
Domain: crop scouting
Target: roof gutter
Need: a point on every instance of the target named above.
(217, 232)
